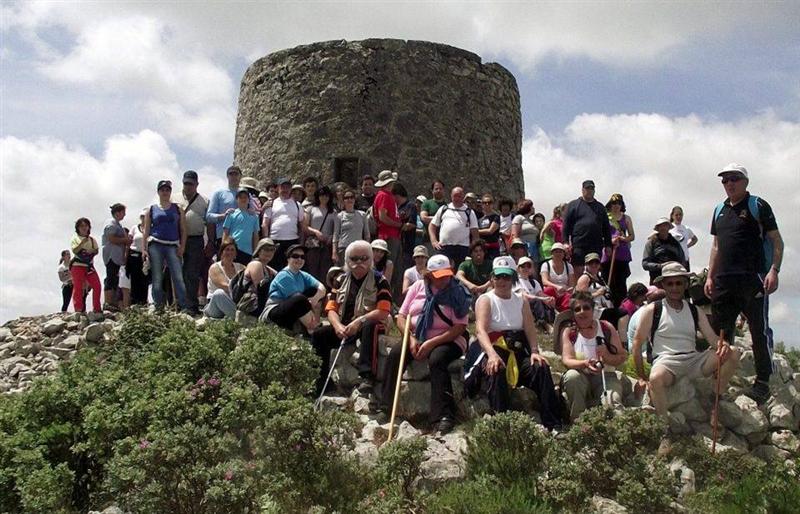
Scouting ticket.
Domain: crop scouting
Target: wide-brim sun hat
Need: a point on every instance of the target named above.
(439, 266)
(558, 246)
(250, 183)
(298, 186)
(264, 243)
(503, 265)
(662, 220)
(380, 244)
(420, 251)
(672, 269)
(518, 242)
(386, 177)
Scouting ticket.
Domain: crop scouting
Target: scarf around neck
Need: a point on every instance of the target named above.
(453, 295)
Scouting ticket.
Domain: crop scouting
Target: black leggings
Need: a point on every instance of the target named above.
(66, 297)
(288, 311)
(442, 403)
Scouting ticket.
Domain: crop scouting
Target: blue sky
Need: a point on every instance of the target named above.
(100, 100)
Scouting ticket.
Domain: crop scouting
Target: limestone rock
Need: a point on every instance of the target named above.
(70, 343)
(333, 403)
(743, 417)
(678, 424)
(5, 334)
(747, 364)
(782, 417)
(94, 332)
(685, 474)
(693, 410)
(54, 326)
(680, 392)
(600, 505)
(444, 459)
(406, 431)
(785, 440)
(768, 453)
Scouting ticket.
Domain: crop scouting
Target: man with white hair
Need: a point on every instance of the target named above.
(358, 305)
(746, 256)
(453, 228)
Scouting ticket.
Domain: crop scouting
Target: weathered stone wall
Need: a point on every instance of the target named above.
(339, 109)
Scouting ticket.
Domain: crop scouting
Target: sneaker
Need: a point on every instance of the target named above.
(759, 392)
(445, 426)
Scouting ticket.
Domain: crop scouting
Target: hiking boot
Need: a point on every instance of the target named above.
(759, 392)
(445, 426)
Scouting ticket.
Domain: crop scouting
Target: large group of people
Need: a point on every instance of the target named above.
(382, 258)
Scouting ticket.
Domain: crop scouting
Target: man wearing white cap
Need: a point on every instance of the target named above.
(746, 256)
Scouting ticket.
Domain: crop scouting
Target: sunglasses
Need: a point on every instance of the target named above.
(297, 256)
(502, 277)
(580, 308)
(733, 179)
(359, 258)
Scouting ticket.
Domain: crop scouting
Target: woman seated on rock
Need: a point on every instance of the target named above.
(358, 306)
(220, 304)
(558, 277)
(258, 276)
(439, 308)
(506, 351)
(414, 273)
(294, 294)
(591, 348)
(531, 290)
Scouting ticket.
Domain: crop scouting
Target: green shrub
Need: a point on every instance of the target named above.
(507, 446)
(792, 355)
(485, 495)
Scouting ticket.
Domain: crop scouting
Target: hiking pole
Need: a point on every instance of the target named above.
(330, 374)
(716, 398)
(406, 331)
(604, 398)
(611, 269)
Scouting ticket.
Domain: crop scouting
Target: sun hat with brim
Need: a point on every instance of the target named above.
(518, 242)
(296, 246)
(263, 195)
(264, 243)
(672, 269)
(420, 251)
(503, 265)
(249, 183)
(386, 177)
(471, 195)
(298, 186)
(439, 266)
(734, 168)
(591, 258)
(558, 246)
(380, 244)
(524, 260)
(661, 221)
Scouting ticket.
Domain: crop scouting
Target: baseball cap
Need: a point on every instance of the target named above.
(591, 257)
(284, 180)
(661, 221)
(503, 265)
(439, 266)
(734, 168)
(588, 184)
(524, 260)
(244, 191)
(190, 175)
(163, 184)
(421, 198)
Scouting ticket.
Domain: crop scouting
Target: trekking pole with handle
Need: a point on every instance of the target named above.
(604, 399)
(716, 397)
(611, 269)
(406, 331)
(330, 374)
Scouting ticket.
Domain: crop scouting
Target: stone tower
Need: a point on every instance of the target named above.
(340, 109)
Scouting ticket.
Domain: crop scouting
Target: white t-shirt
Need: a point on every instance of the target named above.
(412, 275)
(562, 279)
(505, 223)
(531, 287)
(683, 234)
(138, 239)
(454, 224)
(211, 286)
(284, 216)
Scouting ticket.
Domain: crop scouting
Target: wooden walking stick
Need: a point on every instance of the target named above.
(716, 398)
(406, 331)
(611, 269)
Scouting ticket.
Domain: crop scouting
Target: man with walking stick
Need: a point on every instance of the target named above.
(357, 309)
(669, 329)
(746, 255)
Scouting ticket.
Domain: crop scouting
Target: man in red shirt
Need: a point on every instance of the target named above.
(384, 208)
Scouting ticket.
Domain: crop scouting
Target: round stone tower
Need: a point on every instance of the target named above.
(340, 109)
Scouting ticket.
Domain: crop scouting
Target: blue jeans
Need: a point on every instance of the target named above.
(220, 306)
(169, 253)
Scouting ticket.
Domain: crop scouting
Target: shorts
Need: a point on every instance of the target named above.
(124, 279)
(112, 275)
(579, 254)
(688, 365)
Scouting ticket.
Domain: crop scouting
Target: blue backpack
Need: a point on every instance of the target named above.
(752, 206)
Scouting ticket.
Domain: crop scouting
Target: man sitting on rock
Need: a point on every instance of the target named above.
(672, 324)
(357, 308)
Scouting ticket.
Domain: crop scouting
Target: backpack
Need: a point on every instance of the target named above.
(238, 286)
(606, 328)
(657, 309)
(467, 211)
(696, 288)
(755, 211)
(372, 223)
(249, 299)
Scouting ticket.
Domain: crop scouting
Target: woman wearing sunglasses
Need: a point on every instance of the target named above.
(506, 352)
(590, 350)
(349, 225)
(294, 295)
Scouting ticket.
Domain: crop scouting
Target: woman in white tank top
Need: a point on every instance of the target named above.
(506, 352)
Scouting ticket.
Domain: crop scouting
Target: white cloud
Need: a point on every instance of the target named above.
(47, 185)
(657, 162)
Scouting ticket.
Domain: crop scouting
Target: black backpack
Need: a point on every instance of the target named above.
(238, 286)
(658, 307)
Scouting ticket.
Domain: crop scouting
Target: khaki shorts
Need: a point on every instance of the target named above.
(685, 365)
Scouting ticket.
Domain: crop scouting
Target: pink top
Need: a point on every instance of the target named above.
(415, 299)
(557, 225)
